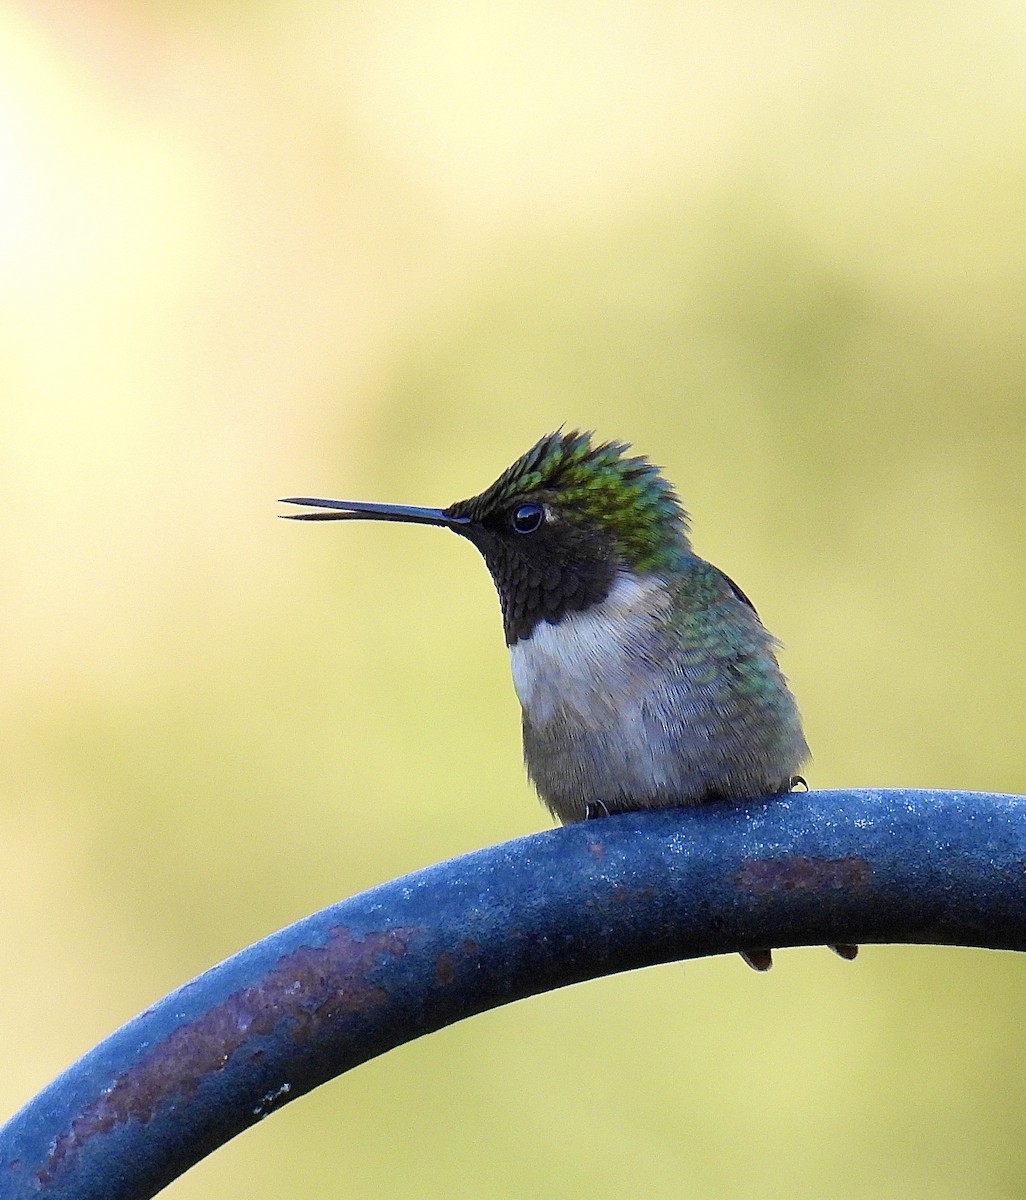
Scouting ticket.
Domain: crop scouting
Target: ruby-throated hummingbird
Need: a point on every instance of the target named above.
(645, 676)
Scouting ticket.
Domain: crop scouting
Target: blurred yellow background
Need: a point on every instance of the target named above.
(375, 251)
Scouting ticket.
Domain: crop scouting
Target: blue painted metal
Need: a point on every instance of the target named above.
(520, 918)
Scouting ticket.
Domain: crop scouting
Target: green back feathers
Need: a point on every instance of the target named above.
(600, 485)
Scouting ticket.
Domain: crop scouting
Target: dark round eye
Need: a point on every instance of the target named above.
(527, 518)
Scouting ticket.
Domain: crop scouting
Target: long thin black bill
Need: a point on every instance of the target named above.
(361, 510)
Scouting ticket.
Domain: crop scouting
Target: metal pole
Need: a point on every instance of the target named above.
(431, 948)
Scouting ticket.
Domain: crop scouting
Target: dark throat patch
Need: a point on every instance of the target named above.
(538, 580)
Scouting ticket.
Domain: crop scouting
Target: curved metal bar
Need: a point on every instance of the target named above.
(423, 951)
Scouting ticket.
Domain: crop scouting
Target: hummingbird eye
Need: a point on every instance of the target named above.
(528, 518)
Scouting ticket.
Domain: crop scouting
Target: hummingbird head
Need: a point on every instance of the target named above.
(558, 526)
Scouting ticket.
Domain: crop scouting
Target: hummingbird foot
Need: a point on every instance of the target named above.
(799, 781)
(590, 814)
(845, 951)
(762, 960)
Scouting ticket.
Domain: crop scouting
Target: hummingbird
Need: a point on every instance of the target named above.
(645, 676)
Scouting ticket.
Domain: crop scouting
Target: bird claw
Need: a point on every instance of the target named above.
(845, 950)
(762, 960)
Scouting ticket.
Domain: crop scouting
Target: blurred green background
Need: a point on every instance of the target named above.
(376, 250)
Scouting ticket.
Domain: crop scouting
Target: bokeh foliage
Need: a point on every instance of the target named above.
(374, 250)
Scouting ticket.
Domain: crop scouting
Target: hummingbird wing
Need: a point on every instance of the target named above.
(735, 589)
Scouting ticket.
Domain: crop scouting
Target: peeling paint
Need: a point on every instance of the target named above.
(270, 1100)
(311, 987)
(445, 969)
(766, 876)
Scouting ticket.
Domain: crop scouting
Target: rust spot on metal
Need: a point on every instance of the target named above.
(596, 849)
(445, 969)
(619, 893)
(312, 987)
(765, 876)
(471, 946)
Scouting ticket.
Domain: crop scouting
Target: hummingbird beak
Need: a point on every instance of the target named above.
(360, 510)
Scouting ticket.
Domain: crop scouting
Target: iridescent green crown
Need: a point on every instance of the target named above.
(601, 485)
